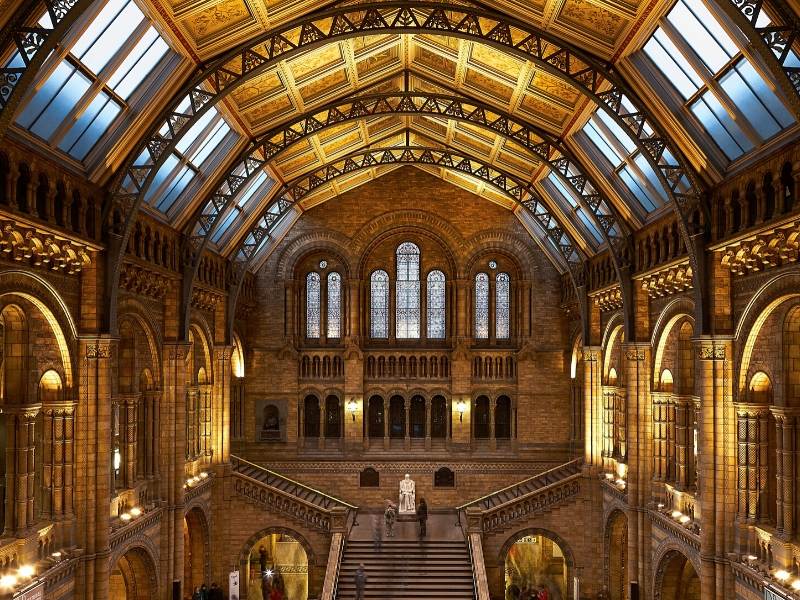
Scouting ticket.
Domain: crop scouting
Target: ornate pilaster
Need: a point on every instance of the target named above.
(786, 424)
(20, 468)
(593, 404)
(58, 461)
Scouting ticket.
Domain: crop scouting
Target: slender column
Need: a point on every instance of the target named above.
(386, 423)
(593, 404)
(321, 442)
(205, 422)
(407, 407)
(752, 441)
(20, 468)
(221, 401)
(462, 312)
(428, 411)
(786, 452)
(301, 423)
(609, 446)
(150, 432)
(661, 408)
(129, 404)
(683, 444)
(492, 434)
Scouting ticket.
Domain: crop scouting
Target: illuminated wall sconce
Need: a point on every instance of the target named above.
(352, 407)
(461, 407)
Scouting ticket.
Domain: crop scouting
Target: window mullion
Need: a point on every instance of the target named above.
(612, 139)
(123, 51)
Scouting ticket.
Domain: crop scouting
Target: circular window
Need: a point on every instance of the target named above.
(492, 264)
(323, 264)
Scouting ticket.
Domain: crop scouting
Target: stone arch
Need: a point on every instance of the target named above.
(511, 246)
(615, 549)
(196, 547)
(613, 344)
(671, 561)
(310, 243)
(569, 557)
(248, 546)
(134, 571)
(134, 310)
(53, 308)
(762, 305)
(50, 387)
(237, 356)
(202, 334)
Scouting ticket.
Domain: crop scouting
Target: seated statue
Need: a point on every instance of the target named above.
(407, 502)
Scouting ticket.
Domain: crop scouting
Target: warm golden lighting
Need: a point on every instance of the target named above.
(796, 584)
(203, 475)
(751, 557)
(622, 470)
(352, 407)
(125, 517)
(136, 511)
(676, 514)
(782, 575)
(8, 581)
(26, 571)
(461, 407)
(684, 519)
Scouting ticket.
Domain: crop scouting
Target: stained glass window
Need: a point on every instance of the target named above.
(436, 305)
(334, 305)
(407, 317)
(502, 313)
(481, 306)
(312, 305)
(379, 304)
(93, 82)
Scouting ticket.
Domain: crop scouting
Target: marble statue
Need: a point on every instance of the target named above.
(407, 502)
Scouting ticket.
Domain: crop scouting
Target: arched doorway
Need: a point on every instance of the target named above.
(311, 416)
(502, 418)
(376, 417)
(195, 551)
(417, 417)
(481, 427)
(617, 547)
(676, 578)
(133, 577)
(333, 417)
(439, 417)
(277, 560)
(535, 560)
(397, 417)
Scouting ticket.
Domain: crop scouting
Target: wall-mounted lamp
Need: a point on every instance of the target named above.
(461, 407)
(351, 407)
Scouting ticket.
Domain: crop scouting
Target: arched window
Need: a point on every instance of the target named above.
(502, 319)
(334, 306)
(436, 305)
(379, 304)
(312, 305)
(407, 312)
(482, 306)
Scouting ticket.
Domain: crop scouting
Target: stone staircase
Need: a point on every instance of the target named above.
(408, 569)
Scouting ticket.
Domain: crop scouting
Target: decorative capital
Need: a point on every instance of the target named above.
(99, 349)
(636, 354)
(591, 355)
(711, 351)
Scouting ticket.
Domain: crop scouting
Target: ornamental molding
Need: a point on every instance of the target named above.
(635, 354)
(40, 247)
(277, 501)
(203, 299)
(609, 299)
(766, 250)
(591, 355)
(711, 351)
(670, 280)
(99, 349)
(140, 280)
(503, 516)
(410, 467)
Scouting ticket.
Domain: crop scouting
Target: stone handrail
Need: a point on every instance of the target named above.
(274, 492)
(479, 579)
(331, 584)
(519, 501)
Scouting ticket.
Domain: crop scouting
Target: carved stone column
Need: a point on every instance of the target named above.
(593, 405)
(684, 441)
(129, 404)
(386, 423)
(609, 409)
(786, 469)
(322, 423)
(492, 436)
(20, 468)
(221, 403)
(661, 409)
(151, 401)
(752, 454)
(58, 459)
(428, 423)
(407, 428)
(204, 422)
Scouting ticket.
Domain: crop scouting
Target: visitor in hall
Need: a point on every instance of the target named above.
(422, 517)
(360, 581)
(377, 533)
(215, 592)
(389, 517)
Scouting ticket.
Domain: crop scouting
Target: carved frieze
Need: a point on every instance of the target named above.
(205, 299)
(711, 351)
(139, 280)
(778, 246)
(668, 281)
(39, 247)
(609, 299)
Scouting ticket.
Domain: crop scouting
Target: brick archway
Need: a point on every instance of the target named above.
(566, 551)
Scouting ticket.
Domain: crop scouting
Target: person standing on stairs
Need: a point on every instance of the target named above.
(360, 581)
(389, 517)
(422, 517)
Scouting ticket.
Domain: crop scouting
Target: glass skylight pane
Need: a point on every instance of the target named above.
(110, 41)
(98, 25)
(178, 185)
(764, 94)
(601, 142)
(223, 227)
(138, 64)
(211, 142)
(703, 32)
(45, 94)
(673, 64)
(618, 132)
(91, 125)
(743, 97)
(590, 226)
(567, 194)
(633, 185)
(252, 189)
(196, 129)
(720, 126)
(652, 177)
(66, 99)
(161, 176)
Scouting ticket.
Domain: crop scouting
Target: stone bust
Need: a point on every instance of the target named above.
(407, 502)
